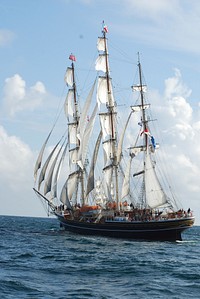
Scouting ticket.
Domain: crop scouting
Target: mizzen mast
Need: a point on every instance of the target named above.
(144, 120)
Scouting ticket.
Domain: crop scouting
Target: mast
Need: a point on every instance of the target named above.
(152, 192)
(145, 127)
(74, 88)
(111, 111)
(144, 121)
(75, 122)
(81, 174)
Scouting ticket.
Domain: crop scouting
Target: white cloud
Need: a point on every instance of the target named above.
(154, 9)
(16, 177)
(6, 37)
(182, 138)
(176, 108)
(168, 24)
(16, 158)
(175, 86)
(17, 97)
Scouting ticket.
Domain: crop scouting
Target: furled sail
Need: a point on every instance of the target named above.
(138, 108)
(136, 150)
(142, 88)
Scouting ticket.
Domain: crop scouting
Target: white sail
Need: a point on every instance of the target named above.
(101, 44)
(126, 182)
(48, 181)
(44, 168)
(69, 76)
(121, 139)
(39, 159)
(90, 182)
(139, 88)
(83, 118)
(105, 120)
(108, 149)
(136, 150)
(86, 138)
(138, 108)
(104, 92)
(69, 104)
(72, 184)
(108, 173)
(155, 196)
(64, 196)
(73, 155)
(55, 180)
(107, 192)
(72, 133)
(100, 64)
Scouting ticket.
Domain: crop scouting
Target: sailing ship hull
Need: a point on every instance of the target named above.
(167, 230)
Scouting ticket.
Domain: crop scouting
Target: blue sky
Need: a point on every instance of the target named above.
(36, 38)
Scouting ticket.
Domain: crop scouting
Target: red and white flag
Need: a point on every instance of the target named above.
(72, 57)
(105, 28)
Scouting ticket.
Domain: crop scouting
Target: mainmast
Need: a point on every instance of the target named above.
(110, 104)
(110, 141)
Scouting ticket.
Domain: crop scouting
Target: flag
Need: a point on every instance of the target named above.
(146, 131)
(72, 57)
(105, 28)
(153, 142)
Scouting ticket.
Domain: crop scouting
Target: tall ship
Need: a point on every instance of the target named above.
(95, 179)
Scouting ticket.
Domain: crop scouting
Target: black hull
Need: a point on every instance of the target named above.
(167, 230)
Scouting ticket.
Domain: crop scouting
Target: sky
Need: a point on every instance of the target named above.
(36, 38)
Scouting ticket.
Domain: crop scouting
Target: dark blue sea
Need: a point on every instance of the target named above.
(38, 260)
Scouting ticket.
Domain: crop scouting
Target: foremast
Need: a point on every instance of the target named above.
(76, 172)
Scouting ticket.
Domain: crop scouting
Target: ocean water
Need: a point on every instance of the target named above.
(38, 260)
